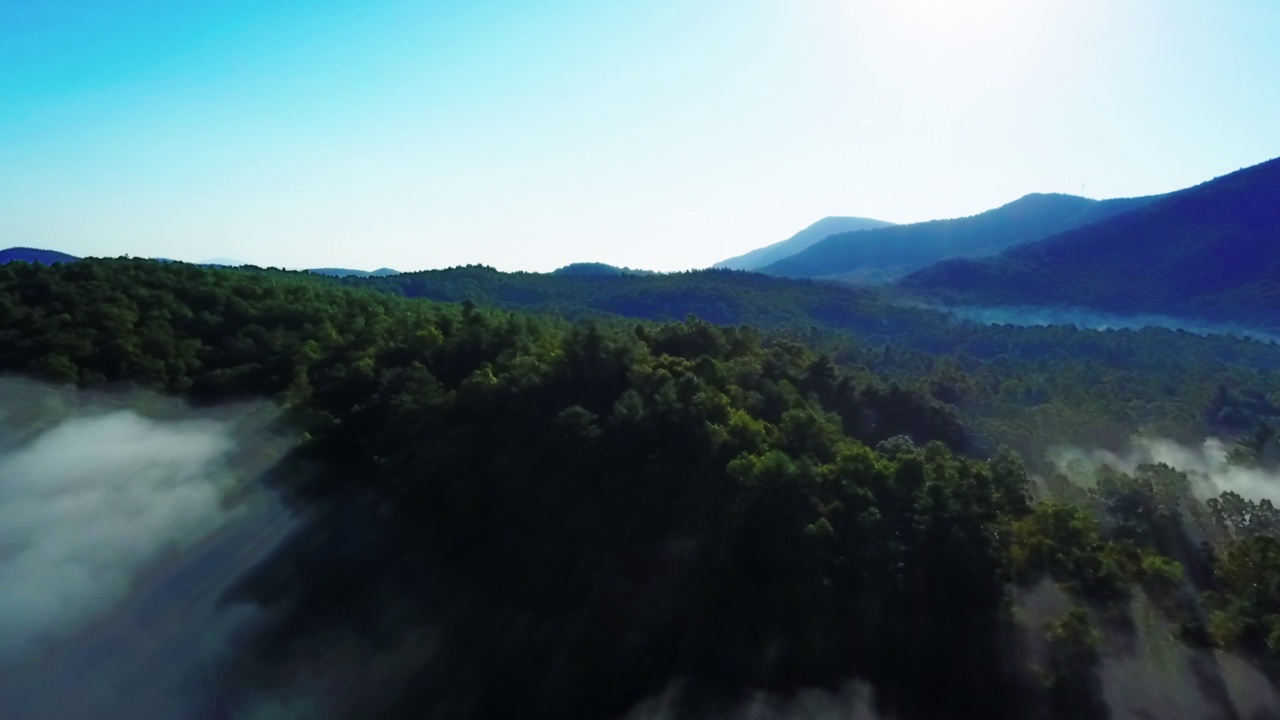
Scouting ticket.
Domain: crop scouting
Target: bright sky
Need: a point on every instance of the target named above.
(664, 134)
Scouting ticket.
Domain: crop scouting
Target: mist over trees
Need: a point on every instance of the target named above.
(582, 509)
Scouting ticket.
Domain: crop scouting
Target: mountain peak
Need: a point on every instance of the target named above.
(827, 226)
(1210, 251)
(883, 254)
(35, 255)
(583, 269)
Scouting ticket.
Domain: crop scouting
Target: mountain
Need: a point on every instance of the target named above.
(887, 253)
(592, 269)
(344, 272)
(35, 255)
(825, 227)
(1211, 251)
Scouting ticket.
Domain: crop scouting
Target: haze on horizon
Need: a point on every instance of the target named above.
(663, 135)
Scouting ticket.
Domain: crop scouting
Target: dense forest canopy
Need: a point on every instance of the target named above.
(594, 268)
(621, 503)
(1026, 386)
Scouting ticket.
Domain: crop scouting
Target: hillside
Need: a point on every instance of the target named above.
(887, 253)
(864, 327)
(621, 506)
(595, 269)
(824, 228)
(728, 297)
(1211, 251)
(35, 255)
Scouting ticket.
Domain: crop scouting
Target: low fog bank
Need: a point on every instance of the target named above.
(1206, 465)
(1145, 670)
(147, 573)
(1085, 319)
(90, 504)
(123, 518)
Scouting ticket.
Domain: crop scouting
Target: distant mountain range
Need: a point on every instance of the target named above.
(884, 254)
(590, 269)
(344, 272)
(48, 257)
(824, 228)
(35, 255)
(1211, 251)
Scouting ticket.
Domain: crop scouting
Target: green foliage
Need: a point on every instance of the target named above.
(740, 507)
(1160, 573)
(1073, 657)
(1064, 543)
(1247, 604)
(1235, 516)
(1029, 387)
(557, 463)
(1074, 630)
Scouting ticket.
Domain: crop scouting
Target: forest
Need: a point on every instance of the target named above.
(597, 486)
(1028, 387)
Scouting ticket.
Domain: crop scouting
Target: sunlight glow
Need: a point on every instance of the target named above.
(956, 45)
(664, 135)
(955, 14)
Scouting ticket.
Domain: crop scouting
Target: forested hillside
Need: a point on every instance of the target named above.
(1163, 378)
(1212, 251)
(47, 257)
(591, 269)
(885, 254)
(583, 511)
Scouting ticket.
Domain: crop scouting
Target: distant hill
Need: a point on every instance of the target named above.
(825, 227)
(222, 262)
(590, 269)
(35, 255)
(344, 272)
(888, 253)
(1211, 251)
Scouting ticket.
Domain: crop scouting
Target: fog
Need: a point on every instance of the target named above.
(130, 522)
(1206, 465)
(90, 504)
(124, 517)
(1084, 318)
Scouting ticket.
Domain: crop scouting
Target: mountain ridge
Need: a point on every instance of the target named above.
(887, 253)
(1210, 251)
(827, 226)
(596, 269)
(347, 272)
(37, 255)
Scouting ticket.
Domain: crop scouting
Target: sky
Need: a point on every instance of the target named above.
(667, 135)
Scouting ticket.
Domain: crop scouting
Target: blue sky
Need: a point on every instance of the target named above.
(667, 134)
